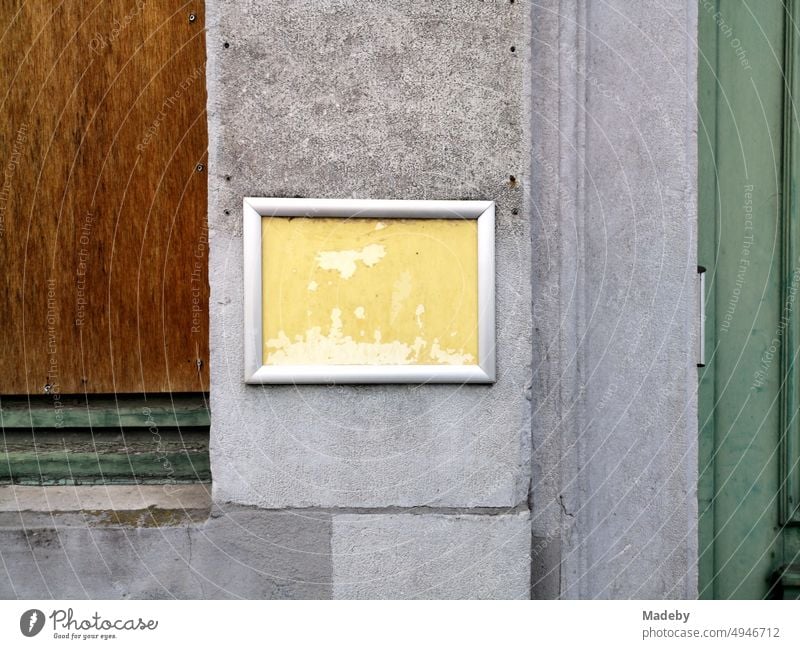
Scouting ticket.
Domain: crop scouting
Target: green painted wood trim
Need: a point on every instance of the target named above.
(123, 439)
(93, 468)
(790, 427)
(740, 416)
(123, 411)
(707, 91)
(101, 440)
(97, 457)
(786, 582)
(790, 576)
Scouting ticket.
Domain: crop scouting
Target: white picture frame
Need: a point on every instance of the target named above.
(256, 373)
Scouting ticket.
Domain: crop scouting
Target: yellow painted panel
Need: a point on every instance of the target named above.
(369, 291)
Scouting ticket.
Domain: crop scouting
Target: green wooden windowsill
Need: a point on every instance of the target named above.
(104, 440)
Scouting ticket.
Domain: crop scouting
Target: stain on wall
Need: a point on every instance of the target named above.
(370, 291)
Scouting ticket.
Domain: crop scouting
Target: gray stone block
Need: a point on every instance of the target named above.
(431, 556)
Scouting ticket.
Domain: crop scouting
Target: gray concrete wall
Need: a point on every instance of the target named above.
(118, 542)
(344, 99)
(614, 196)
(355, 99)
(147, 541)
(242, 552)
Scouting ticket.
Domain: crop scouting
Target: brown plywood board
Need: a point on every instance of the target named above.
(103, 236)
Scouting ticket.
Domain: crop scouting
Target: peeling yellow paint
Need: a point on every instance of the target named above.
(401, 290)
(316, 348)
(326, 282)
(344, 261)
(449, 356)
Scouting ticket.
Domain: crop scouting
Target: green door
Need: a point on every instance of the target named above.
(749, 230)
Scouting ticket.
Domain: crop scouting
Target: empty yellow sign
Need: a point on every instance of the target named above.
(369, 291)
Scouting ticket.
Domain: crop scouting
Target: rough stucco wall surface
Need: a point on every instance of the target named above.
(342, 98)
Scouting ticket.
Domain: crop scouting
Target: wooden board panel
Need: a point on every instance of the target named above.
(103, 239)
